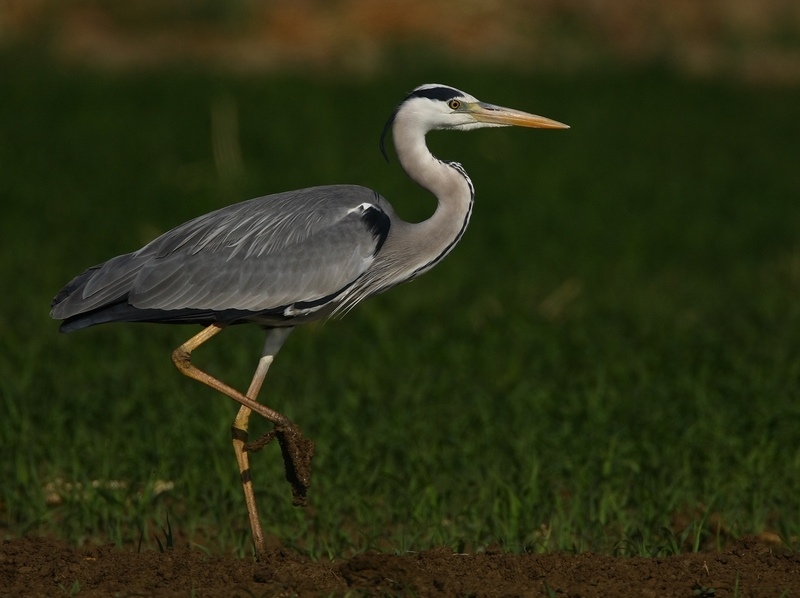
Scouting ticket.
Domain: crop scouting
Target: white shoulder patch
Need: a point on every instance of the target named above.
(361, 208)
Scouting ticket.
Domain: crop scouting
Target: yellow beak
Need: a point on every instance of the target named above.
(497, 115)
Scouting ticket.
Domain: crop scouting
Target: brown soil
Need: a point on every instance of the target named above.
(42, 567)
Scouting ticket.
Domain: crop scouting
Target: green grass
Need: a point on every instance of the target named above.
(613, 348)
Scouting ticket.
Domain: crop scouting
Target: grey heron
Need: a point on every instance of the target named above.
(289, 258)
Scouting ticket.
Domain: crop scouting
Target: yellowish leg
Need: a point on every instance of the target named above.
(275, 339)
(182, 359)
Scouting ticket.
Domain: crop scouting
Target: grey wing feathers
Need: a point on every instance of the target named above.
(257, 255)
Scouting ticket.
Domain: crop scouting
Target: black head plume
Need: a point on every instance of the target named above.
(386, 128)
(435, 92)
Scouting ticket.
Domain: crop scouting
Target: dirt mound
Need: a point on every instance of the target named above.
(42, 567)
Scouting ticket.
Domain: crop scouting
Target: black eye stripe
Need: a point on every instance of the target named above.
(440, 92)
(436, 93)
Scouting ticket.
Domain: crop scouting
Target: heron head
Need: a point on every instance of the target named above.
(433, 106)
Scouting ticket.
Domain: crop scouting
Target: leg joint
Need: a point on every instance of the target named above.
(182, 358)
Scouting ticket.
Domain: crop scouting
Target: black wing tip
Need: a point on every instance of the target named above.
(105, 313)
(123, 311)
(71, 326)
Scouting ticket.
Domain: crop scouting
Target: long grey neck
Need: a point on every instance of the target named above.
(432, 239)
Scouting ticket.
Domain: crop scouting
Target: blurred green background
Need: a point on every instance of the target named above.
(753, 40)
(609, 360)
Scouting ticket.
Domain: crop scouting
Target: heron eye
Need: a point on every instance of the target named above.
(454, 104)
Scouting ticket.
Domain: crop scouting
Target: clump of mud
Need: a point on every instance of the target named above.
(42, 567)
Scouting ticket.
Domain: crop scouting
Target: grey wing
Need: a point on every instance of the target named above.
(290, 250)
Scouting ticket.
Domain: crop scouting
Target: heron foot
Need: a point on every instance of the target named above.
(259, 443)
(297, 451)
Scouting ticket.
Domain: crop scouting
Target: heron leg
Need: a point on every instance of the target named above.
(297, 451)
(274, 341)
(182, 358)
